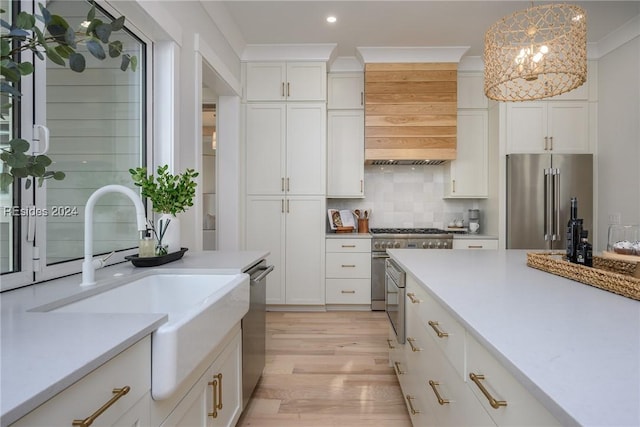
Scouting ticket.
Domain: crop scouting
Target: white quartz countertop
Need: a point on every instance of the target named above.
(576, 348)
(44, 353)
(348, 235)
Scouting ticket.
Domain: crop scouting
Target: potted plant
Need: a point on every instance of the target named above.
(47, 35)
(169, 195)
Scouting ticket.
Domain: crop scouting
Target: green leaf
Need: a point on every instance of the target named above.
(43, 160)
(17, 161)
(92, 13)
(70, 37)
(59, 176)
(9, 89)
(27, 184)
(36, 170)
(117, 24)
(25, 68)
(64, 51)
(19, 172)
(6, 180)
(19, 145)
(58, 21)
(46, 15)
(53, 56)
(57, 31)
(5, 47)
(92, 26)
(11, 74)
(40, 37)
(77, 62)
(103, 32)
(124, 64)
(39, 54)
(25, 20)
(134, 63)
(95, 48)
(115, 49)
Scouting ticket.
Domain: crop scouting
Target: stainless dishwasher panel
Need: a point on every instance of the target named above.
(254, 330)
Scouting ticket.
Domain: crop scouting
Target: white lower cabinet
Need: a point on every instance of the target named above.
(348, 271)
(216, 398)
(434, 369)
(121, 387)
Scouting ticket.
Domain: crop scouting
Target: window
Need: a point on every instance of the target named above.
(98, 124)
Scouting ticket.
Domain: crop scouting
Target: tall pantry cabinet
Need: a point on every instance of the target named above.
(285, 136)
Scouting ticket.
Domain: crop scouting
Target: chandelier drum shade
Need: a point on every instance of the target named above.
(536, 53)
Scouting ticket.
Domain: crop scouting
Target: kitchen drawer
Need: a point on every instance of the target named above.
(475, 244)
(448, 334)
(348, 245)
(521, 407)
(130, 368)
(348, 266)
(348, 291)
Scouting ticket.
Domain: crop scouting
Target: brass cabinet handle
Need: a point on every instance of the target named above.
(413, 298)
(214, 386)
(287, 184)
(391, 346)
(288, 89)
(433, 385)
(435, 327)
(282, 184)
(282, 205)
(551, 143)
(219, 390)
(409, 399)
(283, 89)
(453, 182)
(348, 292)
(361, 98)
(117, 394)
(287, 205)
(348, 265)
(348, 246)
(362, 186)
(495, 404)
(399, 371)
(475, 247)
(546, 140)
(413, 347)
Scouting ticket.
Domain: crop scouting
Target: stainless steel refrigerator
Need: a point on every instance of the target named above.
(539, 192)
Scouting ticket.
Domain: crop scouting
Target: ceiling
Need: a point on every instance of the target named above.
(363, 23)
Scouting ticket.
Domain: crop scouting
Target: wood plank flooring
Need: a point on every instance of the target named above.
(324, 370)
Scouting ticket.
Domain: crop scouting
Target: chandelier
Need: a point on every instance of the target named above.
(536, 53)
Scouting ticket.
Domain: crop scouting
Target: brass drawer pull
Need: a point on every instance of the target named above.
(391, 346)
(399, 371)
(409, 399)
(413, 347)
(433, 385)
(214, 386)
(475, 246)
(434, 326)
(348, 265)
(219, 390)
(348, 292)
(413, 298)
(117, 394)
(492, 401)
(348, 246)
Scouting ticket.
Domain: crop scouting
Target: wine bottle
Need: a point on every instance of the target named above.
(574, 227)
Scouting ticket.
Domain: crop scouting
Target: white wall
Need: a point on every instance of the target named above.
(618, 151)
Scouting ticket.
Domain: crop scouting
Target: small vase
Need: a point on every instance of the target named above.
(171, 238)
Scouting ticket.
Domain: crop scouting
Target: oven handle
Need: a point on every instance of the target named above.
(379, 255)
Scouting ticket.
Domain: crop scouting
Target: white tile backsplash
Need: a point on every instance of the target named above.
(406, 196)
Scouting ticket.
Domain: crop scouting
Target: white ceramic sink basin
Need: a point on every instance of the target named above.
(201, 308)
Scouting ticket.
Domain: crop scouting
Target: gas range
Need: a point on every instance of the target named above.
(410, 238)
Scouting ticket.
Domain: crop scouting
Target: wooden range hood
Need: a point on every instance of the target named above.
(410, 112)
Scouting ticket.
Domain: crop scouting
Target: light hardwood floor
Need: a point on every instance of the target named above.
(324, 370)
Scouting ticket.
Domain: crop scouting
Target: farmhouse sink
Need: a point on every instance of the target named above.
(201, 309)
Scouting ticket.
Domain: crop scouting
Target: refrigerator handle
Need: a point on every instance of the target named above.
(556, 204)
(547, 206)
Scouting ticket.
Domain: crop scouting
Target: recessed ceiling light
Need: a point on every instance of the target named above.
(331, 19)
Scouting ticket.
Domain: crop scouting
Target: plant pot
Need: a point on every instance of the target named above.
(171, 237)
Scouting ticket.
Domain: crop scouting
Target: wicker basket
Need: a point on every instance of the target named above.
(611, 276)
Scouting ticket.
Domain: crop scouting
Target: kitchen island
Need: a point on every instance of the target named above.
(44, 353)
(573, 347)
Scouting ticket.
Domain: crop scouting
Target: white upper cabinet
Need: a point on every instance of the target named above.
(548, 126)
(469, 172)
(345, 91)
(286, 81)
(345, 152)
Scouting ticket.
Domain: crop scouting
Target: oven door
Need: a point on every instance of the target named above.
(395, 304)
(378, 290)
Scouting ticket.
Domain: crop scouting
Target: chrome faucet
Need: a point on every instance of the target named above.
(90, 265)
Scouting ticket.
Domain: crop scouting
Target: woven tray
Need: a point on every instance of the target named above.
(599, 276)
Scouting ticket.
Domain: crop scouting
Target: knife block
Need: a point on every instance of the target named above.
(363, 225)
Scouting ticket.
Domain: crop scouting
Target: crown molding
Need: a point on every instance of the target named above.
(411, 54)
(627, 32)
(288, 52)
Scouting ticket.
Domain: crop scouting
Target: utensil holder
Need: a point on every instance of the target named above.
(363, 225)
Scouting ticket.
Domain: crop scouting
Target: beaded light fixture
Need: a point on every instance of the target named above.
(536, 53)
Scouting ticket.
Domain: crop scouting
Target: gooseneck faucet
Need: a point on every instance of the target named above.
(89, 265)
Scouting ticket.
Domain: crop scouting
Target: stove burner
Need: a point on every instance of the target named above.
(407, 231)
